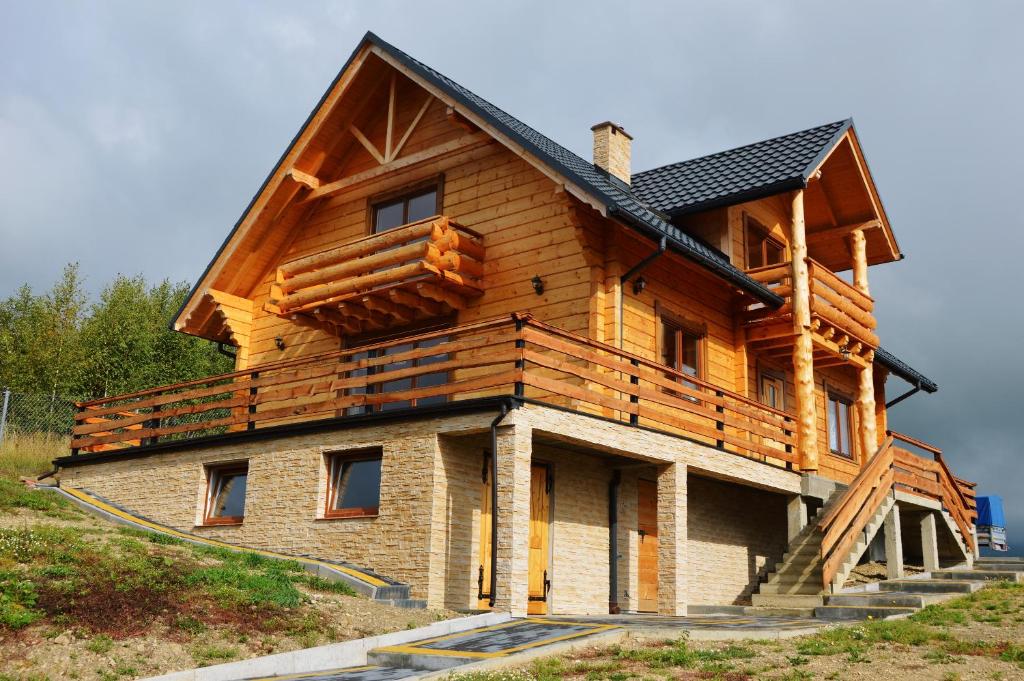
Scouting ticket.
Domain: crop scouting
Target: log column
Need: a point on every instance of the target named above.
(866, 415)
(803, 347)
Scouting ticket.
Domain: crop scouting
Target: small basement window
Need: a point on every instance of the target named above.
(225, 496)
(354, 484)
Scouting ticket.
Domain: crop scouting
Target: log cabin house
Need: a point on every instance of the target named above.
(667, 374)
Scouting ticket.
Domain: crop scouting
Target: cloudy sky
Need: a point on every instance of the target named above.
(133, 134)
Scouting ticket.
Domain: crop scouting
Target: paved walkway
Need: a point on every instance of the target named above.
(535, 635)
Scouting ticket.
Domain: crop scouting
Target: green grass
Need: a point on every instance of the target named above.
(120, 582)
(29, 455)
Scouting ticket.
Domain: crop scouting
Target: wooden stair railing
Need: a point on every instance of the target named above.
(893, 468)
(842, 524)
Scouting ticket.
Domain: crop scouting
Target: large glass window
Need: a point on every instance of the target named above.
(762, 249)
(404, 209)
(840, 425)
(354, 484)
(225, 498)
(422, 380)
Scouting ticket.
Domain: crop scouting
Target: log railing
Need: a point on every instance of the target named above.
(893, 468)
(515, 355)
(422, 269)
(835, 303)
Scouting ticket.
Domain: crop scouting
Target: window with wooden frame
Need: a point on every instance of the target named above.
(683, 349)
(772, 389)
(427, 379)
(408, 205)
(353, 487)
(225, 494)
(840, 425)
(762, 248)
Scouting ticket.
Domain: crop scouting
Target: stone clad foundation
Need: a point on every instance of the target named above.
(713, 535)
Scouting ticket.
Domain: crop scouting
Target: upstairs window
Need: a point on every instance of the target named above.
(840, 425)
(225, 494)
(408, 207)
(762, 249)
(682, 349)
(354, 484)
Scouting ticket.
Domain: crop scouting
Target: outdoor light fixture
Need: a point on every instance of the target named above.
(279, 342)
(844, 352)
(538, 284)
(639, 284)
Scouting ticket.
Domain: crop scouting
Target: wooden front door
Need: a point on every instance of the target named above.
(647, 529)
(540, 531)
(486, 518)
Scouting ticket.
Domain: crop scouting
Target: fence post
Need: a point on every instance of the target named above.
(720, 425)
(3, 413)
(634, 398)
(253, 390)
(520, 388)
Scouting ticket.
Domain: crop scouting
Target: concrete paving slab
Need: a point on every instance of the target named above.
(364, 673)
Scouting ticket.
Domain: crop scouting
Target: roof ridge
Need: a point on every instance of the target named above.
(842, 122)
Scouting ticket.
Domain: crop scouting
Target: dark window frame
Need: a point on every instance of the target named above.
(835, 400)
(411, 331)
(215, 473)
(753, 226)
(404, 194)
(335, 461)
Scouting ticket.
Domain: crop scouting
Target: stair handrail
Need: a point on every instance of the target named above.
(958, 505)
(843, 522)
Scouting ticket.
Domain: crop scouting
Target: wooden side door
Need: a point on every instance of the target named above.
(486, 518)
(647, 529)
(540, 532)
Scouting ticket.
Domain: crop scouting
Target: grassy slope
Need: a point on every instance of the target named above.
(980, 636)
(81, 598)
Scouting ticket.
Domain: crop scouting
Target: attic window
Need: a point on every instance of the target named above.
(396, 211)
(762, 249)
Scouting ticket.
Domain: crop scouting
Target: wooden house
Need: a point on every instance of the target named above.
(671, 375)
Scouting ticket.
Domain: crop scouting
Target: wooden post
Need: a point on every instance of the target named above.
(865, 376)
(866, 414)
(859, 250)
(803, 347)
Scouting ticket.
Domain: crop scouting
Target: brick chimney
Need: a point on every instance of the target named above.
(612, 149)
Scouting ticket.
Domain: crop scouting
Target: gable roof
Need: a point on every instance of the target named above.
(619, 201)
(742, 174)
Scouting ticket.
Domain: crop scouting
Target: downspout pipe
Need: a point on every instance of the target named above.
(613, 542)
(506, 407)
(909, 393)
(633, 271)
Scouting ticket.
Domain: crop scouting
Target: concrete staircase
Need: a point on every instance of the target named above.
(797, 581)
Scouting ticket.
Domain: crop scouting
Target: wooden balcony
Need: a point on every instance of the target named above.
(511, 356)
(842, 318)
(420, 270)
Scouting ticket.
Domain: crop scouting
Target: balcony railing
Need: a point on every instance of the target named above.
(515, 356)
(423, 269)
(842, 317)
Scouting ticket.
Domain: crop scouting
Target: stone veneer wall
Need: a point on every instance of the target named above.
(733, 531)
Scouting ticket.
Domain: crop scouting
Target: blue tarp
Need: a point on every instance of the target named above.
(990, 512)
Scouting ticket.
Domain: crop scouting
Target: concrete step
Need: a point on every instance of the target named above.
(769, 611)
(807, 588)
(1008, 567)
(797, 578)
(1001, 559)
(844, 612)
(941, 586)
(977, 574)
(423, 662)
(409, 603)
(801, 561)
(787, 600)
(879, 598)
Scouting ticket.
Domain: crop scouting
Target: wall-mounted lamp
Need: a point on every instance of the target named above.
(279, 342)
(538, 284)
(639, 284)
(844, 352)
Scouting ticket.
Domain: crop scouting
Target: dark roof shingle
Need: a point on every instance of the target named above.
(740, 174)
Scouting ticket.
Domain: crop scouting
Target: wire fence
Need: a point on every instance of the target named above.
(35, 414)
